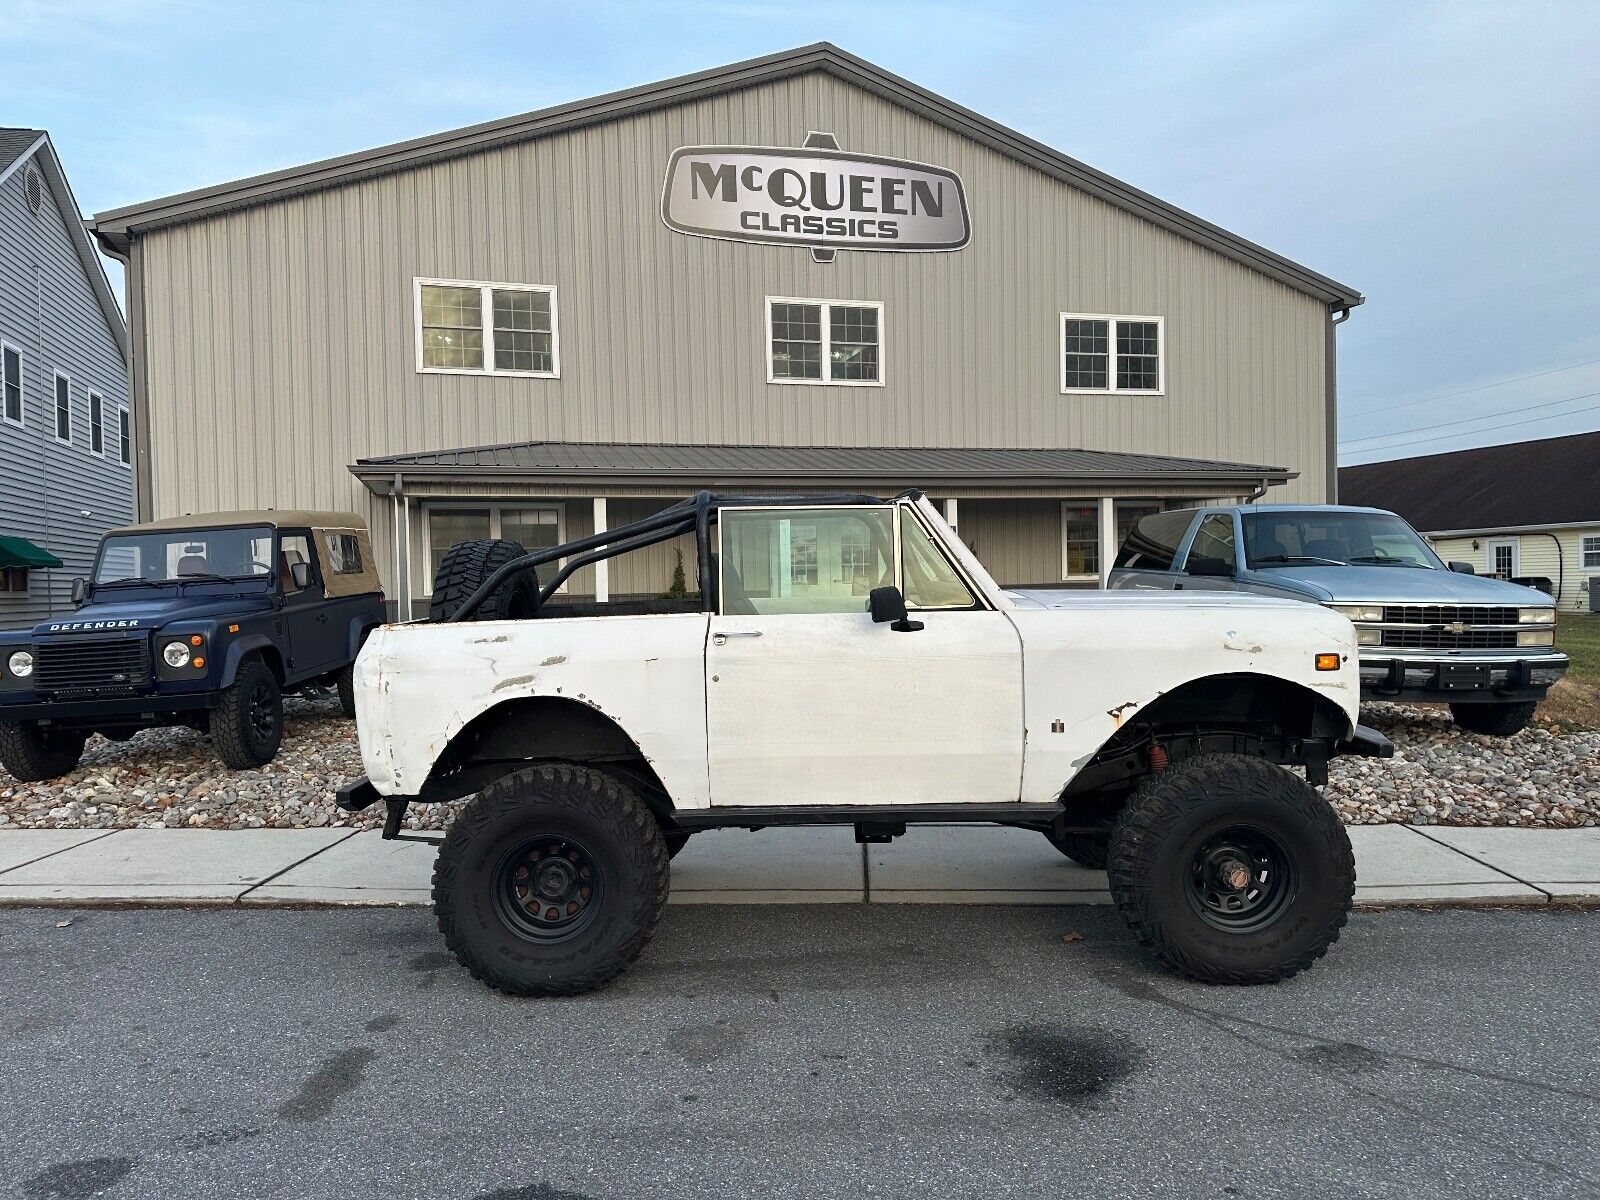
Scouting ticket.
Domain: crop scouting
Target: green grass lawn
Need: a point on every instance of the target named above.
(1578, 637)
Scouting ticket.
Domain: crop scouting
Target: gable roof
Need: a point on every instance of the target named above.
(18, 146)
(118, 227)
(892, 466)
(1550, 481)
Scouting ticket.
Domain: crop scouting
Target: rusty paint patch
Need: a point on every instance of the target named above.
(489, 641)
(514, 681)
(555, 660)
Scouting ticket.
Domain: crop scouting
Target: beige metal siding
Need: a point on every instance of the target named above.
(282, 347)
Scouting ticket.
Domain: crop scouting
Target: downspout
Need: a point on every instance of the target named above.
(1259, 492)
(1330, 386)
(46, 452)
(1561, 568)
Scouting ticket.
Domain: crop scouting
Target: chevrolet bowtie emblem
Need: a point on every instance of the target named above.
(1457, 627)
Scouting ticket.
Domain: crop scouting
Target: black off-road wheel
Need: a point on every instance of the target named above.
(1232, 870)
(31, 752)
(1496, 720)
(466, 566)
(551, 881)
(1085, 849)
(247, 725)
(346, 684)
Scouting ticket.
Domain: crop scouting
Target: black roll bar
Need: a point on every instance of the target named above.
(695, 513)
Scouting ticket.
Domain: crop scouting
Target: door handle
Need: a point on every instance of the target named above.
(721, 639)
(322, 618)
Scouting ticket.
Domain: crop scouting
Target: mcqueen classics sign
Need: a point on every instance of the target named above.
(814, 197)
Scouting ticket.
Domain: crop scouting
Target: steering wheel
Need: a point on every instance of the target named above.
(265, 568)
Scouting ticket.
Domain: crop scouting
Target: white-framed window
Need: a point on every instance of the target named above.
(97, 424)
(533, 526)
(63, 394)
(1503, 556)
(14, 581)
(1080, 539)
(465, 327)
(1113, 356)
(1589, 546)
(10, 384)
(124, 436)
(837, 342)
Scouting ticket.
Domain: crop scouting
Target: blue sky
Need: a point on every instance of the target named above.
(1443, 158)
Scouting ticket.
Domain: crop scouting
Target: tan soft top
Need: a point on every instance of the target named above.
(282, 518)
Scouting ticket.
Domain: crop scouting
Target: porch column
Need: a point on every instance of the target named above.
(950, 513)
(1108, 537)
(602, 569)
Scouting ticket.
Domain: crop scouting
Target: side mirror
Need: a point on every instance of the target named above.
(80, 590)
(301, 574)
(1462, 568)
(1200, 564)
(887, 604)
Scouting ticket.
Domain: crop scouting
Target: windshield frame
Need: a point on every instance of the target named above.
(1432, 561)
(269, 577)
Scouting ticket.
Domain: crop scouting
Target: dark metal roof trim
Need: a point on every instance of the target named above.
(117, 227)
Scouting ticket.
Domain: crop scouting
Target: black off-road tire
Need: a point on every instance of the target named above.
(1167, 826)
(32, 753)
(1085, 849)
(466, 565)
(346, 684)
(676, 839)
(247, 726)
(1496, 720)
(474, 880)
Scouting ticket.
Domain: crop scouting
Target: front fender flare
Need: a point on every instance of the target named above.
(250, 643)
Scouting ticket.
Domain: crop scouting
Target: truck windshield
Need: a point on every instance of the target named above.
(1284, 539)
(179, 555)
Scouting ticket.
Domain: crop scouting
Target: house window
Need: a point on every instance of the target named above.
(824, 341)
(63, 408)
(10, 385)
(1591, 553)
(1114, 355)
(14, 581)
(486, 328)
(97, 423)
(1080, 541)
(124, 438)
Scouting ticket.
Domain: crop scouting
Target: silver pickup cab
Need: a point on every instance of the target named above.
(1427, 630)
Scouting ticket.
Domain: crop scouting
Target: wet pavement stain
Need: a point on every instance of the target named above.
(384, 1023)
(336, 1076)
(1064, 1065)
(532, 1191)
(1343, 1058)
(76, 1180)
(702, 1045)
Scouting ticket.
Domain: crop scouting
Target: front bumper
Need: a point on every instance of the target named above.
(147, 709)
(1387, 675)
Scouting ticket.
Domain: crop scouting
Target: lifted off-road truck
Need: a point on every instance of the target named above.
(848, 661)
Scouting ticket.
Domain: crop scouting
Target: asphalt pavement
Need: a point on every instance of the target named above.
(820, 1051)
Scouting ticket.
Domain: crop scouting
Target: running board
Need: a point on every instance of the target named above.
(870, 815)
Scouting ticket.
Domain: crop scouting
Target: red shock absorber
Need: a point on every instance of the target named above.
(1158, 757)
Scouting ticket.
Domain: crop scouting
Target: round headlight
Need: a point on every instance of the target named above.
(20, 664)
(175, 654)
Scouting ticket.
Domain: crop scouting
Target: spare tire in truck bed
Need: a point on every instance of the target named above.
(465, 567)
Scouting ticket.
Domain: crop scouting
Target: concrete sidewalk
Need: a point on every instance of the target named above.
(937, 864)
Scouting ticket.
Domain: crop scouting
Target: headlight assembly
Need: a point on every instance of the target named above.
(1359, 612)
(175, 654)
(1536, 616)
(20, 664)
(1536, 637)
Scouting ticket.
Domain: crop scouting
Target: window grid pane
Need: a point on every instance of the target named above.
(853, 343)
(124, 449)
(797, 341)
(1591, 554)
(523, 333)
(1138, 356)
(1081, 550)
(13, 386)
(452, 327)
(97, 432)
(63, 409)
(1086, 348)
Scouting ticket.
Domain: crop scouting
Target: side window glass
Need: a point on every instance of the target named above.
(803, 560)
(344, 553)
(1214, 540)
(930, 580)
(294, 548)
(1154, 541)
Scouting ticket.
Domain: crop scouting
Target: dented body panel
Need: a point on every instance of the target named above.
(1001, 703)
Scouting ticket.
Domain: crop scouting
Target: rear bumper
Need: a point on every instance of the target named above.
(1460, 678)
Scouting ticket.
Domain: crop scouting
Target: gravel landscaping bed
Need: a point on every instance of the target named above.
(171, 778)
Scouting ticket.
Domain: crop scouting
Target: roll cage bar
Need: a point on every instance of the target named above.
(696, 514)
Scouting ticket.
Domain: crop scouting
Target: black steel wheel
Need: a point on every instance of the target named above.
(248, 723)
(550, 881)
(1231, 869)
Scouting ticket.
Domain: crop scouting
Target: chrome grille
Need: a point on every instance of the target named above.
(1449, 614)
(91, 666)
(1424, 638)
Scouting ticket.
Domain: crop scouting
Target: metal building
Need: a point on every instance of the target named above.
(799, 270)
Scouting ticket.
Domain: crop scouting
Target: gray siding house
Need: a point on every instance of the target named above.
(796, 271)
(65, 438)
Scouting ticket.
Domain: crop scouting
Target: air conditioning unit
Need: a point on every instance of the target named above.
(1594, 599)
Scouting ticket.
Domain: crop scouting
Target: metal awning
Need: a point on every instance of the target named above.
(20, 552)
(869, 468)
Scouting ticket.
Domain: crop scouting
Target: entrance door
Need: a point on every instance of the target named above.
(1503, 559)
(810, 702)
(316, 639)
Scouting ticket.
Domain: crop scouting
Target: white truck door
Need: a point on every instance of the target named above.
(808, 701)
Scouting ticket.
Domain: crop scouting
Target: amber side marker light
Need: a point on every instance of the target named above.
(1327, 662)
(233, 629)
(199, 663)
(197, 640)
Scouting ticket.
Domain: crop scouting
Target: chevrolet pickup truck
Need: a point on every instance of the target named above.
(848, 661)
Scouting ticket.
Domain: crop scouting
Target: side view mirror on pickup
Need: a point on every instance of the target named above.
(887, 604)
(1200, 564)
(1462, 568)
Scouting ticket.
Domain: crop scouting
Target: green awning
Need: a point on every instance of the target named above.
(20, 552)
